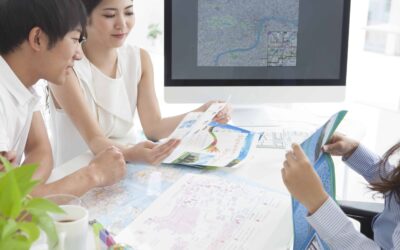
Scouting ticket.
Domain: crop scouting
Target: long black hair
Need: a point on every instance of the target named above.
(389, 185)
(90, 5)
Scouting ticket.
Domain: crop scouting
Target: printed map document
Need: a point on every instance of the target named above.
(207, 143)
(305, 236)
(210, 212)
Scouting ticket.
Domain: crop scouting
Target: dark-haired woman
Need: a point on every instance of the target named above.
(110, 83)
(325, 216)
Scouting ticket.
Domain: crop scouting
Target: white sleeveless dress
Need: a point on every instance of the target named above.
(112, 101)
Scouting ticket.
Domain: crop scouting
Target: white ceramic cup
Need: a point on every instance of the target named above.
(72, 228)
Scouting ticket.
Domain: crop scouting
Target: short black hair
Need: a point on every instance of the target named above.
(55, 17)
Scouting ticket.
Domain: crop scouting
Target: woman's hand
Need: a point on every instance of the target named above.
(340, 145)
(223, 116)
(150, 152)
(302, 181)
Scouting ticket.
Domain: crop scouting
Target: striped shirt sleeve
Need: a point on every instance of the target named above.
(367, 164)
(333, 226)
(396, 238)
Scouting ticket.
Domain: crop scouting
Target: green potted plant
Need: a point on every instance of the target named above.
(154, 32)
(21, 215)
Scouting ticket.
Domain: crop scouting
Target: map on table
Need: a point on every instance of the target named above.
(116, 206)
(210, 212)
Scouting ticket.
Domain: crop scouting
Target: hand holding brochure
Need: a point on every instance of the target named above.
(207, 143)
(305, 236)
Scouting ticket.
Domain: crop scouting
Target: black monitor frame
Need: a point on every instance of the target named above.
(169, 82)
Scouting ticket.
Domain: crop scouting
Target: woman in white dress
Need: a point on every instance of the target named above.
(112, 80)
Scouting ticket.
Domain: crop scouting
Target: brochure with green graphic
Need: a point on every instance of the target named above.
(205, 143)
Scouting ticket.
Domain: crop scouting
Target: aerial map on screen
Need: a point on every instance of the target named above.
(247, 33)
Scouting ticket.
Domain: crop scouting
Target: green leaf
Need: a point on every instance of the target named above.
(9, 228)
(45, 222)
(15, 185)
(10, 200)
(30, 229)
(15, 243)
(24, 175)
(3, 223)
(43, 205)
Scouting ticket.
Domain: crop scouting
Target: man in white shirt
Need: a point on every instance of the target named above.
(40, 39)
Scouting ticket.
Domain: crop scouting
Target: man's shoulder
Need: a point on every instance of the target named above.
(6, 99)
(4, 93)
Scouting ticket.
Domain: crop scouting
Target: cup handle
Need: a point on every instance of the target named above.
(61, 241)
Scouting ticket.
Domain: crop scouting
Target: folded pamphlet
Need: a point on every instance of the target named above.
(205, 143)
(305, 237)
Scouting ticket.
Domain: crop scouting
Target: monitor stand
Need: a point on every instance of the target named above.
(261, 115)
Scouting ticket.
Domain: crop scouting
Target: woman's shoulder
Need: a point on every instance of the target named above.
(133, 51)
(131, 56)
(129, 50)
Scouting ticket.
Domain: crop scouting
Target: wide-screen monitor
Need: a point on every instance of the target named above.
(256, 51)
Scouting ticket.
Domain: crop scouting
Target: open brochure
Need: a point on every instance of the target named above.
(305, 236)
(206, 143)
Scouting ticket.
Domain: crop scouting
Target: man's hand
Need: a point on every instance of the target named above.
(108, 167)
(302, 181)
(151, 153)
(11, 156)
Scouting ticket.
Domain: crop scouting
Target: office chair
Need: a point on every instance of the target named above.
(364, 212)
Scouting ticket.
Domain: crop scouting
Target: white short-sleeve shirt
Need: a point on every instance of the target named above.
(17, 105)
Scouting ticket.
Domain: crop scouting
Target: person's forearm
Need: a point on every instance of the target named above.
(333, 226)
(158, 128)
(132, 154)
(100, 143)
(43, 159)
(163, 128)
(367, 164)
(78, 183)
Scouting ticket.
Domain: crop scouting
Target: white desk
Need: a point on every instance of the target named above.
(262, 167)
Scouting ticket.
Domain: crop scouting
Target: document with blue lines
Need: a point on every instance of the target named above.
(305, 236)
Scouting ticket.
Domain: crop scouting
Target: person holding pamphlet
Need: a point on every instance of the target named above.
(325, 216)
(108, 85)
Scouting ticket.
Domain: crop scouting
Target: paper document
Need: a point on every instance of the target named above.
(210, 212)
(194, 121)
(207, 143)
(305, 236)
